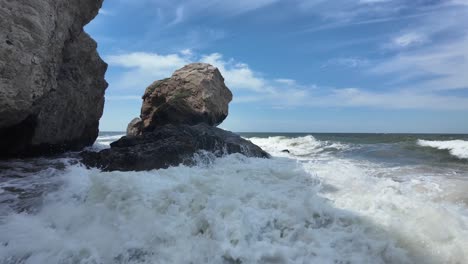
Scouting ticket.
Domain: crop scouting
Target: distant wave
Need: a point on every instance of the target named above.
(457, 148)
(297, 146)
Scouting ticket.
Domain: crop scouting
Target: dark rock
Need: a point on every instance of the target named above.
(51, 77)
(194, 94)
(285, 151)
(169, 145)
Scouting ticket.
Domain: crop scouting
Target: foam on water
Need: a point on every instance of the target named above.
(457, 148)
(103, 142)
(297, 146)
(321, 209)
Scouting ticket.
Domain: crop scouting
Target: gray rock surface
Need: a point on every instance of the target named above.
(170, 145)
(178, 120)
(51, 76)
(194, 94)
(134, 127)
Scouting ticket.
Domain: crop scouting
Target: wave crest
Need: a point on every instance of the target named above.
(457, 148)
(298, 146)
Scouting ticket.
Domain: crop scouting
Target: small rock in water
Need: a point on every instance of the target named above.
(285, 151)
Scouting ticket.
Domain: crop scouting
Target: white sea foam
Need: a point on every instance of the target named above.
(457, 148)
(103, 142)
(297, 146)
(242, 210)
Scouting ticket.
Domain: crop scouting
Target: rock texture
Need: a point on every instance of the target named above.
(51, 76)
(178, 120)
(134, 127)
(194, 94)
(169, 145)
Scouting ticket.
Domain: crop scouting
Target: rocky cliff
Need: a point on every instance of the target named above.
(51, 76)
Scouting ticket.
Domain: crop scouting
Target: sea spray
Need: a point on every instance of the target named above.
(236, 209)
(308, 206)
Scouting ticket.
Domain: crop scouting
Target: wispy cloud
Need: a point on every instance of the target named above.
(178, 11)
(179, 15)
(442, 67)
(346, 13)
(249, 86)
(348, 62)
(409, 40)
(105, 12)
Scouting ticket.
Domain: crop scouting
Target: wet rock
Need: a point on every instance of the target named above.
(169, 145)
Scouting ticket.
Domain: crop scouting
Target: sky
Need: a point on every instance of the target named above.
(375, 66)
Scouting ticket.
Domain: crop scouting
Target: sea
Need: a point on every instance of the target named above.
(321, 198)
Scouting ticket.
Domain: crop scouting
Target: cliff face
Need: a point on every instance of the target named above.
(51, 76)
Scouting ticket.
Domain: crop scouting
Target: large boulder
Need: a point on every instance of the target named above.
(178, 120)
(51, 76)
(194, 94)
(170, 145)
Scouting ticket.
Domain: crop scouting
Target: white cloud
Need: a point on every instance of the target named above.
(352, 97)
(458, 2)
(187, 52)
(444, 66)
(144, 68)
(105, 12)
(237, 75)
(249, 86)
(409, 39)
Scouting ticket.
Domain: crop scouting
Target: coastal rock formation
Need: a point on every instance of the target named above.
(194, 94)
(51, 77)
(169, 145)
(178, 120)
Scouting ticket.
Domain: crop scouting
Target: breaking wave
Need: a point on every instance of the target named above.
(307, 206)
(296, 146)
(457, 148)
(103, 142)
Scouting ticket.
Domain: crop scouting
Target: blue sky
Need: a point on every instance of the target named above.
(297, 65)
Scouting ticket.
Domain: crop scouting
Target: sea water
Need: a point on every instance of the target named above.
(334, 198)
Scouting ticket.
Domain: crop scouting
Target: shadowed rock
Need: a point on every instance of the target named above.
(169, 145)
(51, 77)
